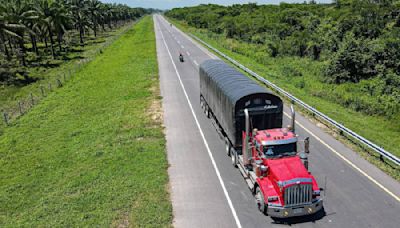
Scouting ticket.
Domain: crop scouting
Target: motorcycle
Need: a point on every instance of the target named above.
(181, 58)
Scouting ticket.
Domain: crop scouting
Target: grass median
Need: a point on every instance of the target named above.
(93, 152)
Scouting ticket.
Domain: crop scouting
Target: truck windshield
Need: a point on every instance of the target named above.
(280, 150)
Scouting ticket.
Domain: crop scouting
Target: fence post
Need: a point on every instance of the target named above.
(20, 107)
(42, 90)
(50, 86)
(59, 82)
(32, 100)
(5, 118)
(64, 77)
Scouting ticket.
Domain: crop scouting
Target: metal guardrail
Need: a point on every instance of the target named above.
(307, 107)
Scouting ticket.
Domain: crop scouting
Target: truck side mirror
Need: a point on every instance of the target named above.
(304, 159)
(307, 145)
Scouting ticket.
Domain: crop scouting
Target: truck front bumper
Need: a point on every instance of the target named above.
(278, 211)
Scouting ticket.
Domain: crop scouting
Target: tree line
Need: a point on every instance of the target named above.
(28, 25)
(355, 40)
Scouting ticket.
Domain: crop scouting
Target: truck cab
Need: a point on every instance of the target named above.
(283, 186)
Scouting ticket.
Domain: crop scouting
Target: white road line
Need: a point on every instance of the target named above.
(196, 44)
(348, 161)
(195, 62)
(179, 42)
(203, 137)
(188, 53)
(182, 46)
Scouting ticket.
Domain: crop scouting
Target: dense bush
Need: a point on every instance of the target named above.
(354, 36)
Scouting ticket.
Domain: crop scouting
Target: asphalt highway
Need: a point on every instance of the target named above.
(207, 191)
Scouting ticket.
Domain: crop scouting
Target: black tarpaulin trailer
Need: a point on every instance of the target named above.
(227, 92)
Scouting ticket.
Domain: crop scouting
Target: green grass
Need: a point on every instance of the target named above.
(92, 153)
(50, 69)
(308, 88)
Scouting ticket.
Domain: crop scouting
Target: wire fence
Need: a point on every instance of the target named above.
(23, 105)
(339, 127)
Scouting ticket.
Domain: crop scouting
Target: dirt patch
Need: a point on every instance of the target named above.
(122, 222)
(155, 110)
(322, 126)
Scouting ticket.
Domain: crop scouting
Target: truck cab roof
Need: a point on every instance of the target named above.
(275, 136)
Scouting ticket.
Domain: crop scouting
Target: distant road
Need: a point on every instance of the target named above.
(207, 191)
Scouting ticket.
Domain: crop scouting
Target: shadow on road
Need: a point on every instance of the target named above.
(303, 219)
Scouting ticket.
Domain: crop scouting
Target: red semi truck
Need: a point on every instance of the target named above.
(250, 119)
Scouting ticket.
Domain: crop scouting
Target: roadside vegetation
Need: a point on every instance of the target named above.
(42, 39)
(341, 58)
(93, 152)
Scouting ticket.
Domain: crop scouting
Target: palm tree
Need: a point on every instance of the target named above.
(79, 14)
(18, 14)
(54, 17)
(40, 21)
(7, 30)
(94, 9)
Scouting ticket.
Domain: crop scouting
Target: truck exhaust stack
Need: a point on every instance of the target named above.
(293, 118)
(246, 139)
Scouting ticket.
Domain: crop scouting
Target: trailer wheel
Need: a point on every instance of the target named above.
(260, 201)
(201, 103)
(234, 158)
(227, 147)
(207, 111)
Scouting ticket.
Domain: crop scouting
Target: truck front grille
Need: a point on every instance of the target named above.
(298, 194)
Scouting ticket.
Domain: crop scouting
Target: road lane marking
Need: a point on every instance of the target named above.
(182, 46)
(188, 53)
(347, 160)
(195, 62)
(178, 41)
(202, 136)
(197, 45)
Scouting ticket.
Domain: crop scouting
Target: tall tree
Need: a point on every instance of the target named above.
(94, 10)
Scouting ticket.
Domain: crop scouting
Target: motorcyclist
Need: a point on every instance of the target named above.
(180, 57)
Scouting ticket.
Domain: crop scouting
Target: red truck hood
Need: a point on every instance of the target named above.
(284, 169)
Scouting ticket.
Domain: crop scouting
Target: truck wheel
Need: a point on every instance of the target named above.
(260, 201)
(234, 158)
(227, 147)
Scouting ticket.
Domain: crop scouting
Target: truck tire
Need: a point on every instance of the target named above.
(234, 157)
(260, 201)
(227, 147)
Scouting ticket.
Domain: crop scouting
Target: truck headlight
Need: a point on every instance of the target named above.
(316, 193)
(272, 198)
